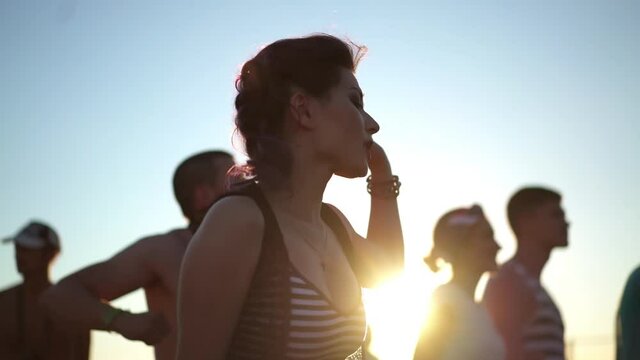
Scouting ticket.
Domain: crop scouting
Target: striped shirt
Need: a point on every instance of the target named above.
(318, 330)
(284, 316)
(542, 334)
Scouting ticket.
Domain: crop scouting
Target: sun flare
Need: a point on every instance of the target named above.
(397, 310)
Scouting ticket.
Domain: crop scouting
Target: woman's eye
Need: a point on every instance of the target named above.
(357, 103)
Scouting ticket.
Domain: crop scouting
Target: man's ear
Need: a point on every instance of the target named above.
(300, 109)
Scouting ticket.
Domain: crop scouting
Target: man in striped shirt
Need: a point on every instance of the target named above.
(523, 312)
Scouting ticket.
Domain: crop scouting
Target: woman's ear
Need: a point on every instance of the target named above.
(300, 109)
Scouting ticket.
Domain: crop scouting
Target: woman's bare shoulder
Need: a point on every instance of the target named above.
(233, 222)
(240, 210)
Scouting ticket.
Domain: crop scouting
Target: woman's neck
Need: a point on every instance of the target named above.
(302, 199)
(467, 280)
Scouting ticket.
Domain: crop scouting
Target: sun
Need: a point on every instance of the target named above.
(397, 310)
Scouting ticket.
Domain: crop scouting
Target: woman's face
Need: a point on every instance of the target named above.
(482, 247)
(344, 128)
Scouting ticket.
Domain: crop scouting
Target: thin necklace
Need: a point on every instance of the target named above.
(321, 253)
(313, 244)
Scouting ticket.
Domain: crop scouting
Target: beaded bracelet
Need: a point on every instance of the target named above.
(384, 189)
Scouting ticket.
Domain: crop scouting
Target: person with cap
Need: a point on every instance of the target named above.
(524, 312)
(458, 328)
(152, 263)
(26, 330)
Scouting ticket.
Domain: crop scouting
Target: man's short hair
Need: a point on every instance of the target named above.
(527, 199)
(200, 169)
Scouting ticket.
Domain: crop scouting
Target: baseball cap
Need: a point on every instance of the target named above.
(35, 235)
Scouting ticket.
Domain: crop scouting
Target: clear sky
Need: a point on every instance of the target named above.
(100, 100)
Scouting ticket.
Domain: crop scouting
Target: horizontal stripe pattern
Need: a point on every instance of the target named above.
(317, 330)
(544, 333)
(284, 317)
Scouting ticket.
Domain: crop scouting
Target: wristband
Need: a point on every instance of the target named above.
(109, 316)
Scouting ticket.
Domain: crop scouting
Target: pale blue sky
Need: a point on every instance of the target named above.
(102, 99)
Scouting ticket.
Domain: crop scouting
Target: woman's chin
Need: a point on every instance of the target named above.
(354, 172)
(350, 175)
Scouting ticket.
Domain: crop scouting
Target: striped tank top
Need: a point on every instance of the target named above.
(284, 315)
(544, 333)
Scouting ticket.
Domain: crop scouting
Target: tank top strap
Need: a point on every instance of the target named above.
(337, 226)
(273, 241)
(272, 234)
(270, 280)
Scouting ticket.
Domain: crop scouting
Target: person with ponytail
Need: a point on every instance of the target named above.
(459, 328)
(273, 272)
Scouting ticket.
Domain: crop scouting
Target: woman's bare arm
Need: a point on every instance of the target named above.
(382, 252)
(385, 229)
(216, 274)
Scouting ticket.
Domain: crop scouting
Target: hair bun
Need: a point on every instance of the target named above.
(432, 262)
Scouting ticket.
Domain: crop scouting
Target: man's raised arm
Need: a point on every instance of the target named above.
(81, 299)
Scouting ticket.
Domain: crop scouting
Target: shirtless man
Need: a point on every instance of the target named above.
(152, 263)
(26, 332)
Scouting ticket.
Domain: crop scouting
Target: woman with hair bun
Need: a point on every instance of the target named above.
(273, 272)
(459, 328)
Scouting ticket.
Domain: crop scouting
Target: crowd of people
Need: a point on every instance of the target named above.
(517, 318)
(266, 270)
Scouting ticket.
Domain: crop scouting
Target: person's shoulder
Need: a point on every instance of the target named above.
(635, 275)
(234, 226)
(144, 248)
(633, 281)
(8, 300)
(506, 273)
(164, 240)
(506, 280)
(158, 242)
(442, 296)
(444, 292)
(451, 295)
(234, 211)
(9, 293)
(444, 301)
(167, 236)
(180, 233)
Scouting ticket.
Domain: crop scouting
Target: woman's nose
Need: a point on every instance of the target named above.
(372, 125)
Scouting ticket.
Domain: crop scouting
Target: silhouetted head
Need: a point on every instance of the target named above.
(36, 245)
(464, 238)
(301, 92)
(536, 216)
(199, 181)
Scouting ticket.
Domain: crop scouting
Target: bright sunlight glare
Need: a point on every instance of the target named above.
(396, 311)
